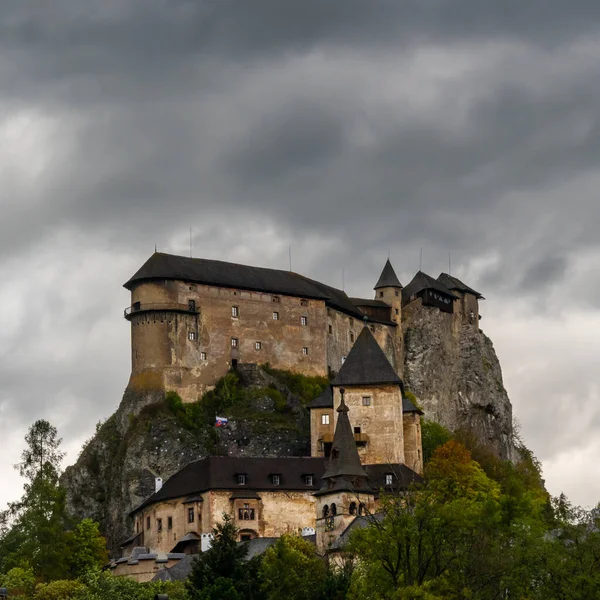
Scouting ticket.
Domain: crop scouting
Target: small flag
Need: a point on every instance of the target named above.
(220, 421)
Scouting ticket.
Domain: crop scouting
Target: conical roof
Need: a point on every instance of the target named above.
(366, 364)
(344, 461)
(388, 277)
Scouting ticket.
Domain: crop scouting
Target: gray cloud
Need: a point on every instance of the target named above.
(346, 129)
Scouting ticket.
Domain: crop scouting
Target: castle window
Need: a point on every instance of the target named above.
(352, 336)
(303, 302)
(330, 329)
(324, 419)
(148, 523)
(326, 511)
(192, 305)
(352, 508)
(246, 513)
(275, 316)
(343, 359)
(305, 350)
(381, 294)
(366, 400)
(333, 509)
(361, 509)
(397, 311)
(169, 522)
(159, 525)
(275, 479)
(308, 480)
(396, 293)
(372, 327)
(357, 430)
(202, 355)
(190, 515)
(234, 342)
(235, 312)
(192, 336)
(304, 321)
(257, 345)
(389, 479)
(276, 299)
(241, 479)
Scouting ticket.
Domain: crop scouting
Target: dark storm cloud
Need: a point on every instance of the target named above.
(347, 129)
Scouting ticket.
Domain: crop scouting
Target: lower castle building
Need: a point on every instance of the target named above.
(270, 497)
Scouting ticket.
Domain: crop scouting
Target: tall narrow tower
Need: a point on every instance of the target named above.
(388, 289)
(345, 493)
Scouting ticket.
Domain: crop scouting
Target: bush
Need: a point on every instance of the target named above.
(61, 589)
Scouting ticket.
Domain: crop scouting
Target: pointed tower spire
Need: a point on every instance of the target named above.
(388, 277)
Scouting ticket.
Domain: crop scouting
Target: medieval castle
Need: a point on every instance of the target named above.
(192, 320)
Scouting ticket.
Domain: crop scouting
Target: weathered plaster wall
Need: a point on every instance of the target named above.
(381, 422)
(413, 447)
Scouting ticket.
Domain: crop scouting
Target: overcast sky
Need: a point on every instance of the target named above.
(346, 129)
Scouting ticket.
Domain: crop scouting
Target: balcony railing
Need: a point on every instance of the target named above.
(138, 307)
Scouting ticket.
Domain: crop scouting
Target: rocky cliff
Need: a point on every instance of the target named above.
(451, 369)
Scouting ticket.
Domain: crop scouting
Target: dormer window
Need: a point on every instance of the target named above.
(276, 479)
(241, 479)
(309, 479)
(389, 479)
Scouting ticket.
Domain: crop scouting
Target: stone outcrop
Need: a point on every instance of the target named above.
(452, 369)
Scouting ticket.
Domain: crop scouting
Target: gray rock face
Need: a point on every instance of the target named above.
(454, 372)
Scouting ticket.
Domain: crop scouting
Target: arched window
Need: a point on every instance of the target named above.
(361, 509)
(325, 511)
(352, 508)
(333, 509)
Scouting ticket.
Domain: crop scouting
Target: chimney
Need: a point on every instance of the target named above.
(157, 484)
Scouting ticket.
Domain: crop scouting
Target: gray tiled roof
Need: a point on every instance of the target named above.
(366, 364)
(323, 400)
(408, 406)
(388, 277)
(421, 281)
(369, 302)
(232, 275)
(454, 283)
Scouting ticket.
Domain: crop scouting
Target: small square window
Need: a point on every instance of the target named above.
(304, 321)
(257, 345)
(275, 316)
(352, 336)
(170, 522)
(192, 336)
(357, 430)
(396, 293)
(324, 419)
(235, 312)
(381, 294)
(159, 525)
(241, 479)
(389, 479)
(234, 342)
(366, 400)
(305, 350)
(275, 479)
(303, 302)
(276, 299)
(309, 480)
(202, 355)
(191, 515)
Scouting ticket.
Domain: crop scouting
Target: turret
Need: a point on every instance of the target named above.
(389, 290)
(345, 493)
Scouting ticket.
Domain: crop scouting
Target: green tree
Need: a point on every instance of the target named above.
(291, 569)
(433, 435)
(223, 569)
(87, 548)
(19, 581)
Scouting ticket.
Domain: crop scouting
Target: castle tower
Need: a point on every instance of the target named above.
(345, 493)
(374, 395)
(388, 289)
